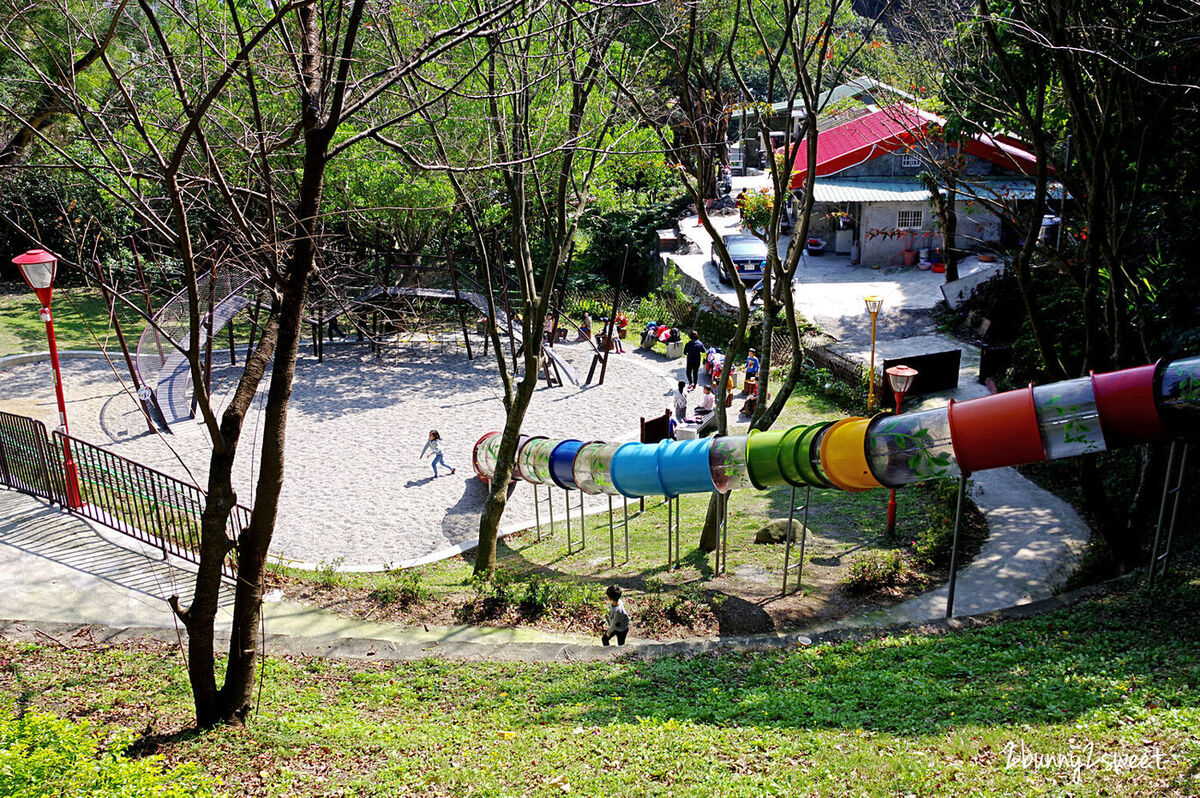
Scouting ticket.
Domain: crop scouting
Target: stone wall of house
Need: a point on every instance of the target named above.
(881, 244)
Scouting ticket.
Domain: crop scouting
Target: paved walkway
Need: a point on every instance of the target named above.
(60, 569)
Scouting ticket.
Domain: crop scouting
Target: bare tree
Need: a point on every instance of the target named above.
(540, 83)
(231, 158)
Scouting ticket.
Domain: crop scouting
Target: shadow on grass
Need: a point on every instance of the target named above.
(151, 743)
(1114, 656)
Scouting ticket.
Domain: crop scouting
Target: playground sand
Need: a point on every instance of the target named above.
(356, 495)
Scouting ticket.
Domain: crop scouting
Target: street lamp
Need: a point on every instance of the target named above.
(874, 303)
(38, 267)
(900, 378)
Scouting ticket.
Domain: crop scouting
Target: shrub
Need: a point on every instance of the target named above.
(44, 755)
(690, 607)
(327, 573)
(876, 570)
(403, 588)
(529, 598)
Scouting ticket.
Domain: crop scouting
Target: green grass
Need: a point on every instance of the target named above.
(843, 527)
(80, 321)
(947, 714)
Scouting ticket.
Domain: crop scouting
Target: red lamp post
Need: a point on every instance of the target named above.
(900, 378)
(38, 267)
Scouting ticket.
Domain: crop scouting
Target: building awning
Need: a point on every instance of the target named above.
(984, 189)
(869, 191)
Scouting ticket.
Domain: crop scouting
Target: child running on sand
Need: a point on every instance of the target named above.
(434, 444)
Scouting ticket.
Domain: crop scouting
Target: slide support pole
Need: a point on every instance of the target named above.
(962, 495)
(725, 534)
(787, 541)
(1178, 491)
(670, 530)
(678, 526)
(550, 505)
(582, 522)
(537, 514)
(567, 504)
(612, 543)
(1162, 512)
(803, 538)
(625, 527)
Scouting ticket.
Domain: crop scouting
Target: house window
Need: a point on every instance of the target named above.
(909, 161)
(910, 219)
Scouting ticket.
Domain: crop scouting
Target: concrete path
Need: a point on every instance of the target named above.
(58, 568)
(1034, 538)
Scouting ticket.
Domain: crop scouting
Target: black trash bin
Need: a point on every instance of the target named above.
(994, 360)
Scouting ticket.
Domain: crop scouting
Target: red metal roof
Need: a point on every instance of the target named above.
(892, 128)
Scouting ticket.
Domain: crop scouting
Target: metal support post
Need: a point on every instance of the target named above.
(612, 541)
(1160, 561)
(962, 496)
(803, 538)
(570, 542)
(1162, 512)
(725, 534)
(537, 514)
(582, 524)
(670, 530)
(678, 525)
(625, 526)
(787, 541)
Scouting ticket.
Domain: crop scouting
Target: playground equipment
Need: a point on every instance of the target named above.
(1148, 404)
(222, 293)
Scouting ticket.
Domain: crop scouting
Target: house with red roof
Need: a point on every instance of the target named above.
(869, 194)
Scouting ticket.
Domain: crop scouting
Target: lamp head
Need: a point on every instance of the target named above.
(874, 303)
(38, 267)
(901, 378)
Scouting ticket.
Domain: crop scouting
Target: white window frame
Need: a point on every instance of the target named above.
(900, 219)
(909, 161)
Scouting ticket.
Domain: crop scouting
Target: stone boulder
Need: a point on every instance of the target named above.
(777, 531)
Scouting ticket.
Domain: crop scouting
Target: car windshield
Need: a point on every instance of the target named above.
(747, 248)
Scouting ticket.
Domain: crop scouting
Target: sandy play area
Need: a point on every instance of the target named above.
(356, 495)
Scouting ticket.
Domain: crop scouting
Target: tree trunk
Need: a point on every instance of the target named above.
(236, 693)
(506, 457)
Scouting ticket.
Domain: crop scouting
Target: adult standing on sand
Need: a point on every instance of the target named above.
(694, 351)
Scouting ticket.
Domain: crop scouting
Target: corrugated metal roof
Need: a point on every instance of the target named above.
(869, 191)
(1015, 188)
(890, 129)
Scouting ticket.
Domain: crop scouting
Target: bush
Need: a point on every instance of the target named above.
(402, 588)
(877, 570)
(44, 755)
(688, 607)
(528, 598)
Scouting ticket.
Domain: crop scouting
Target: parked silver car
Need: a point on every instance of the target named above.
(749, 256)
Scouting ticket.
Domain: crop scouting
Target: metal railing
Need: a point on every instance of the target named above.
(124, 495)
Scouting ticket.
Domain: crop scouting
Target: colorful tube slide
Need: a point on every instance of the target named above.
(1147, 404)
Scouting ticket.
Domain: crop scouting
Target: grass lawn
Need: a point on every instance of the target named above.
(843, 527)
(1099, 699)
(80, 321)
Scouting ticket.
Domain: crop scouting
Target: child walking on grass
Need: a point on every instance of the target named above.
(618, 618)
(434, 444)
